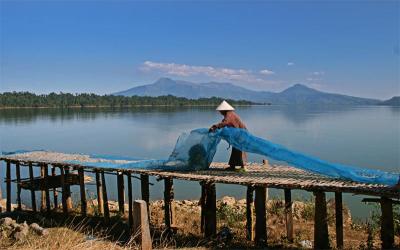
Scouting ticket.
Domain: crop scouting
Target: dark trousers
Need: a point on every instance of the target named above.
(236, 158)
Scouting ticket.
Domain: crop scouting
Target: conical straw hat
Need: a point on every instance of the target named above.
(224, 106)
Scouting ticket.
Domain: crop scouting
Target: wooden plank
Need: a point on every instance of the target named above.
(68, 190)
(47, 191)
(42, 193)
(321, 236)
(121, 193)
(387, 224)
(63, 191)
(141, 224)
(249, 213)
(288, 214)
(339, 220)
(55, 192)
(145, 191)
(8, 186)
(33, 195)
(105, 198)
(18, 177)
(168, 197)
(130, 201)
(210, 215)
(99, 188)
(260, 236)
(82, 191)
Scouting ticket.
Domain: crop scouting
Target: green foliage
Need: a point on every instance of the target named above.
(375, 218)
(230, 215)
(62, 100)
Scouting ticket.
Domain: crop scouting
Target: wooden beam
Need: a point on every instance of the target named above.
(210, 209)
(130, 201)
(83, 191)
(144, 188)
(33, 195)
(288, 215)
(378, 200)
(43, 193)
(63, 191)
(8, 186)
(260, 236)
(141, 224)
(68, 190)
(55, 192)
(249, 213)
(99, 188)
(321, 236)
(168, 197)
(18, 176)
(105, 198)
(47, 191)
(387, 224)
(121, 193)
(339, 220)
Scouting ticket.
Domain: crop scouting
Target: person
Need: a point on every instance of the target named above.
(231, 119)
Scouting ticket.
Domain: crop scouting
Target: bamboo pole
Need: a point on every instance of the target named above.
(387, 225)
(47, 191)
(99, 188)
(249, 213)
(18, 176)
(321, 236)
(33, 195)
(261, 219)
(42, 192)
(105, 198)
(68, 189)
(83, 191)
(210, 215)
(144, 188)
(339, 220)
(8, 186)
(202, 205)
(168, 197)
(55, 192)
(130, 201)
(121, 193)
(288, 215)
(63, 191)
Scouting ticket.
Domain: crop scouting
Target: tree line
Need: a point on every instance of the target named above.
(63, 100)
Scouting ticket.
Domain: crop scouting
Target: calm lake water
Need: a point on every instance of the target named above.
(359, 136)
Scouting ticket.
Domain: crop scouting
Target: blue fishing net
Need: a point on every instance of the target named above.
(195, 151)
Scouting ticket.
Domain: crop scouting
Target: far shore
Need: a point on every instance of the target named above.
(130, 106)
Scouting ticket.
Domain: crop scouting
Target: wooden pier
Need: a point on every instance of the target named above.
(257, 179)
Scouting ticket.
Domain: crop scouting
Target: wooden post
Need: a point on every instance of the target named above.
(99, 188)
(63, 191)
(83, 191)
(141, 224)
(105, 198)
(339, 220)
(55, 192)
(42, 192)
(121, 193)
(202, 205)
(387, 224)
(130, 201)
(168, 197)
(68, 189)
(18, 176)
(33, 195)
(47, 192)
(261, 219)
(249, 213)
(288, 215)
(210, 209)
(8, 186)
(144, 188)
(321, 236)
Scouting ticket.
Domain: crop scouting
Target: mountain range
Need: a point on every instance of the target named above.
(296, 94)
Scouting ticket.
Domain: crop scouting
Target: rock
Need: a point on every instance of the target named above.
(38, 229)
(228, 200)
(241, 202)
(20, 231)
(306, 244)
(7, 221)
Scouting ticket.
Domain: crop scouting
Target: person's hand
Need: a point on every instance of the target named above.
(213, 128)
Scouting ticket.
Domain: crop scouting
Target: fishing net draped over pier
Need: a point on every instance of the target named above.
(195, 151)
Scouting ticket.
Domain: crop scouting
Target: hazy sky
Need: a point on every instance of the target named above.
(107, 46)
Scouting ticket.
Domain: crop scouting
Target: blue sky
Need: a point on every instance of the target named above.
(107, 46)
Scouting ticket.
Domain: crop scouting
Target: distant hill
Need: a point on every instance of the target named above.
(297, 94)
(394, 101)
